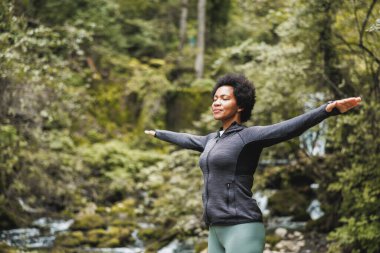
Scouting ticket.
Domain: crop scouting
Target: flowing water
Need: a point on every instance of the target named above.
(314, 210)
(44, 230)
(42, 235)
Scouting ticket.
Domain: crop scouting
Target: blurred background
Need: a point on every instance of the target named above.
(80, 81)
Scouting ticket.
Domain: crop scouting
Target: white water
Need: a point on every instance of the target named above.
(170, 248)
(115, 250)
(262, 200)
(53, 225)
(176, 247)
(35, 237)
(26, 238)
(315, 210)
(285, 222)
(44, 232)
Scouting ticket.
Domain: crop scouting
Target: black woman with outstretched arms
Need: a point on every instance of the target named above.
(229, 158)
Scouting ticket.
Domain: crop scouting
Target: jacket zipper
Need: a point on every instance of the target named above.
(228, 195)
(208, 173)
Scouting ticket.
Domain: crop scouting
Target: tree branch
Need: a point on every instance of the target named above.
(375, 58)
(364, 24)
(332, 84)
(361, 33)
(362, 29)
(348, 44)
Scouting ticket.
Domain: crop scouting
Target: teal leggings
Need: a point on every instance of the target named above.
(241, 238)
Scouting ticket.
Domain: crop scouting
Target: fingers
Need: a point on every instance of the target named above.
(150, 132)
(346, 104)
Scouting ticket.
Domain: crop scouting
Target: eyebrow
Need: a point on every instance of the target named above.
(222, 95)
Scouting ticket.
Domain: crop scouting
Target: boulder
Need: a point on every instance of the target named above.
(281, 232)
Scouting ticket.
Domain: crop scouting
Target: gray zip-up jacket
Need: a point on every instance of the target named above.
(228, 163)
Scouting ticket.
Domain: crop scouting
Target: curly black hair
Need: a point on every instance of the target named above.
(244, 92)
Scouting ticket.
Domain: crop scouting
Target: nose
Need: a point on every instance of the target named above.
(215, 105)
(216, 102)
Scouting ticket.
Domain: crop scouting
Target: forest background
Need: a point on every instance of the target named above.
(80, 80)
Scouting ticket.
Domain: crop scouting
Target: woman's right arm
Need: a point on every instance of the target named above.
(184, 140)
(285, 130)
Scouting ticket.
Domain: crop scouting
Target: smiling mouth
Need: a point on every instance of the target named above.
(216, 111)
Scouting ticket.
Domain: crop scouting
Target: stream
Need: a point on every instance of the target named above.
(42, 233)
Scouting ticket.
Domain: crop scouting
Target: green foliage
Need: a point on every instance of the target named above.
(356, 234)
(81, 80)
(174, 189)
(358, 183)
(9, 140)
(116, 165)
(289, 202)
(374, 27)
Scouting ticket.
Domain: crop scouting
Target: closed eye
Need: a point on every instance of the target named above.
(223, 98)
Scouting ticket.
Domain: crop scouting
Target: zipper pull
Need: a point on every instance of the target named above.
(228, 185)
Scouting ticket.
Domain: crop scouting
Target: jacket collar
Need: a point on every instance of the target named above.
(234, 127)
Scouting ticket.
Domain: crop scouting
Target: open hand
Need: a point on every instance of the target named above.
(344, 105)
(151, 132)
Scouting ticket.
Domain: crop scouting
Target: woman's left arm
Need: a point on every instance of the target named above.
(184, 140)
(270, 135)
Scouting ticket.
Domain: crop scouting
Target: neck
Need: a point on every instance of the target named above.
(228, 122)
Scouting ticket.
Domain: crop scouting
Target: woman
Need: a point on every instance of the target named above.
(229, 158)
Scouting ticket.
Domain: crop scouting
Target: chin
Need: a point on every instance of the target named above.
(217, 118)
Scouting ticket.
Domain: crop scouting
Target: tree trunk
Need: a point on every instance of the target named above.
(199, 61)
(183, 24)
(340, 84)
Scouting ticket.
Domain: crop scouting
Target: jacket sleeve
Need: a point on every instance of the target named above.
(184, 140)
(270, 135)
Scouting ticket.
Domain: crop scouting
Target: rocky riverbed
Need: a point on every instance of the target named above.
(103, 229)
(284, 241)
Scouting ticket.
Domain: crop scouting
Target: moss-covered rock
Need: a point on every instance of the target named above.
(12, 215)
(94, 236)
(121, 221)
(109, 243)
(89, 221)
(272, 239)
(5, 248)
(156, 238)
(155, 246)
(125, 235)
(126, 206)
(102, 227)
(149, 234)
(199, 247)
(71, 239)
(110, 237)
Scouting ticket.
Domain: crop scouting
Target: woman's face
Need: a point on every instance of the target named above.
(224, 105)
